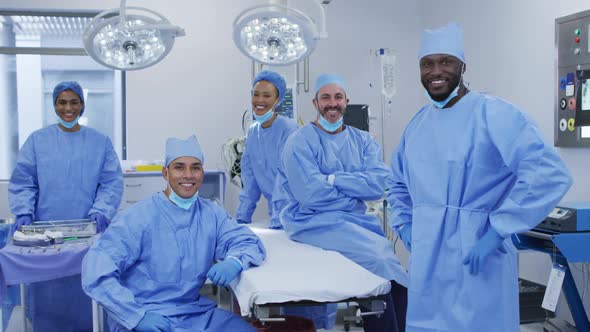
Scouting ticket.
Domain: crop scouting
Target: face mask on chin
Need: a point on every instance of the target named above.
(70, 124)
(183, 203)
(331, 127)
(443, 103)
(266, 116)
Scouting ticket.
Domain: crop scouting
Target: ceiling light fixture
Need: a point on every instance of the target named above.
(275, 34)
(129, 38)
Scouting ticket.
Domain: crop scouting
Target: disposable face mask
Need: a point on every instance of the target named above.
(266, 116)
(263, 118)
(331, 127)
(184, 203)
(70, 124)
(443, 103)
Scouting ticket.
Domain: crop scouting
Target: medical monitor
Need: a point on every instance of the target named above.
(582, 114)
(286, 108)
(585, 95)
(357, 116)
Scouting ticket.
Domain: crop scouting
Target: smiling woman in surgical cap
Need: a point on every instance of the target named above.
(65, 171)
(264, 145)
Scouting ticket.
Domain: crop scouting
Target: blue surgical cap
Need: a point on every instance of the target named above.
(69, 85)
(444, 40)
(275, 79)
(176, 148)
(326, 79)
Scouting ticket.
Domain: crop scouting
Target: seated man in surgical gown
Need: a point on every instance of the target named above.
(328, 171)
(148, 267)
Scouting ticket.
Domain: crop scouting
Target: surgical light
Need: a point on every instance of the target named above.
(129, 41)
(275, 34)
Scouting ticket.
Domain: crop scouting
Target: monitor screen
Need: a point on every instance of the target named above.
(286, 107)
(586, 95)
(357, 115)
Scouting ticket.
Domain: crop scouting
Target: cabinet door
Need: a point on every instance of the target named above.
(139, 187)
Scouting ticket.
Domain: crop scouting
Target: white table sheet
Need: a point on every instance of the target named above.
(294, 272)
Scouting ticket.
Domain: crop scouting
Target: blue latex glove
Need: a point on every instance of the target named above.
(406, 235)
(101, 221)
(152, 322)
(489, 242)
(25, 219)
(224, 272)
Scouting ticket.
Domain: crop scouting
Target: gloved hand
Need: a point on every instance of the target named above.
(224, 272)
(405, 233)
(25, 219)
(243, 222)
(102, 222)
(489, 242)
(152, 322)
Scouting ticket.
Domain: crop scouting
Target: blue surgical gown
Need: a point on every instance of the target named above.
(457, 172)
(259, 165)
(155, 257)
(333, 216)
(64, 175)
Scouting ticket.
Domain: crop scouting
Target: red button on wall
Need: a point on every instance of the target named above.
(577, 39)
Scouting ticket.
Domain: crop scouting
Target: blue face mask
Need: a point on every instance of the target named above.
(68, 125)
(184, 203)
(331, 127)
(443, 103)
(265, 117)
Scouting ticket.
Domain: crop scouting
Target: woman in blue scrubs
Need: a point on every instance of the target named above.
(65, 171)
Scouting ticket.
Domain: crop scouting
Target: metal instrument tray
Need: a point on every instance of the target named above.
(69, 228)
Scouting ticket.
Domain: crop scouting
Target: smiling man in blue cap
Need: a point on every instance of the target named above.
(149, 266)
(328, 171)
(470, 171)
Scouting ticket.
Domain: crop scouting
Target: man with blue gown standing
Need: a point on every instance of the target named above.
(65, 171)
(148, 267)
(264, 144)
(470, 171)
(328, 171)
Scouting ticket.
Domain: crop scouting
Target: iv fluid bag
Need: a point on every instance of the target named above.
(388, 60)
